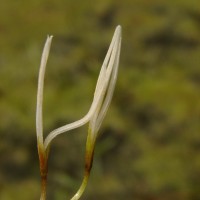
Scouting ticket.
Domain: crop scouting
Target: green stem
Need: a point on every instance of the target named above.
(88, 166)
(82, 188)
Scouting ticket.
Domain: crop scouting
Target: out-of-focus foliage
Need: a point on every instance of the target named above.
(150, 143)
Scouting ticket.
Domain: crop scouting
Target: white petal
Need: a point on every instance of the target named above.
(110, 90)
(109, 80)
(106, 60)
(39, 119)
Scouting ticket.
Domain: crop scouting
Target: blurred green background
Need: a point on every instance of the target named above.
(149, 148)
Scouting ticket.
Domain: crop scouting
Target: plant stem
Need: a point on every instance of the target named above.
(88, 166)
(43, 158)
(43, 189)
(82, 188)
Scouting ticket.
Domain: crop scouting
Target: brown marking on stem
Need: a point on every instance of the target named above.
(89, 160)
(43, 161)
(43, 158)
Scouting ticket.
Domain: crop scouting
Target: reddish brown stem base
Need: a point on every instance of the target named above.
(43, 158)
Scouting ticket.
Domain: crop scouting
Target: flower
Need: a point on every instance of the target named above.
(101, 101)
(102, 98)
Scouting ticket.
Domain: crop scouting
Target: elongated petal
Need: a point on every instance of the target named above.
(106, 60)
(111, 87)
(104, 81)
(39, 118)
(109, 81)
